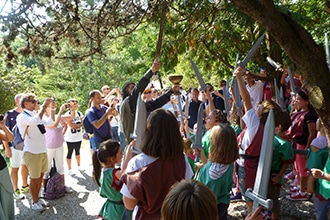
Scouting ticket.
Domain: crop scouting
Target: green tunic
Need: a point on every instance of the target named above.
(206, 142)
(317, 160)
(282, 153)
(325, 184)
(113, 208)
(220, 186)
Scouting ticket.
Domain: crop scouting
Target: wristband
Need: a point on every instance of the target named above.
(322, 175)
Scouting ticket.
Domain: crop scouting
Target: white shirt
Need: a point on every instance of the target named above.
(252, 123)
(74, 135)
(34, 141)
(256, 92)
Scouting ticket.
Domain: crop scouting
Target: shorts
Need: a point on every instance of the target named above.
(37, 164)
(274, 194)
(16, 159)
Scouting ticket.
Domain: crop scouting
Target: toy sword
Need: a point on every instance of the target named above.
(198, 141)
(327, 49)
(161, 30)
(279, 100)
(226, 98)
(140, 124)
(238, 100)
(260, 189)
(273, 63)
(292, 86)
(252, 51)
(199, 76)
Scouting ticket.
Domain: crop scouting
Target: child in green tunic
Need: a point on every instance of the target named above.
(107, 177)
(217, 172)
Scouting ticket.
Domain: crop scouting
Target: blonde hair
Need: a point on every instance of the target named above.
(223, 144)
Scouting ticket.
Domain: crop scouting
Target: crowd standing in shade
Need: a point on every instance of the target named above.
(156, 183)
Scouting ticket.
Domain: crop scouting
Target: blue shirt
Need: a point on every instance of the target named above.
(104, 132)
(193, 112)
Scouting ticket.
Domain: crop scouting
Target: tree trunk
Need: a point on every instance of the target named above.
(300, 47)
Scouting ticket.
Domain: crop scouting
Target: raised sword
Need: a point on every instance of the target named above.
(259, 192)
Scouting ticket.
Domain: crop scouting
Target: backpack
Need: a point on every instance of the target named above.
(18, 141)
(55, 187)
(88, 126)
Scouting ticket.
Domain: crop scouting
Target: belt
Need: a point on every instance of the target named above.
(116, 202)
(244, 156)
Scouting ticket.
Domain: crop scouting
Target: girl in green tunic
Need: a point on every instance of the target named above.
(107, 177)
(217, 172)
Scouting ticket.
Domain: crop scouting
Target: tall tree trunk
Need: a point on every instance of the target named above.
(300, 47)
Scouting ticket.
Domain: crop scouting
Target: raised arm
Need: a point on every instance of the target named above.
(239, 72)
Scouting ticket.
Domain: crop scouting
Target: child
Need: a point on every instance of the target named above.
(282, 157)
(109, 154)
(317, 157)
(217, 172)
(189, 200)
(189, 152)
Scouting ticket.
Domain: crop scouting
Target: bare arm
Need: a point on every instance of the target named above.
(130, 203)
(5, 133)
(128, 156)
(312, 133)
(317, 173)
(239, 72)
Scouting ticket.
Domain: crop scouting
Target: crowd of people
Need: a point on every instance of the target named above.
(161, 176)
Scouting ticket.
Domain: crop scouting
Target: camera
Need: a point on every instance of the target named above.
(42, 128)
(1, 117)
(67, 105)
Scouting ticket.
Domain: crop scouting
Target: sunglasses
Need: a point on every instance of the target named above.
(74, 101)
(33, 101)
(147, 93)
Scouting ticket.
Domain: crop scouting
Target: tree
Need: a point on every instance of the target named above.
(299, 45)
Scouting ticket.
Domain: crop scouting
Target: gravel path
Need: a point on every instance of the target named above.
(85, 201)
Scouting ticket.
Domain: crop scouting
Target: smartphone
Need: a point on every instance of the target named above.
(67, 105)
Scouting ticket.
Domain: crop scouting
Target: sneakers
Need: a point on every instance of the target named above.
(80, 168)
(236, 197)
(294, 183)
(38, 207)
(68, 189)
(292, 190)
(43, 202)
(298, 196)
(70, 172)
(17, 195)
(290, 175)
(25, 189)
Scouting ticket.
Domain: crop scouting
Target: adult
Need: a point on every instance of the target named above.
(255, 89)
(218, 97)
(98, 115)
(301, 133)
(7, 208)
(35, 150)
(130, 94)
(16, 156)
(73, 134)
(54, 140)
(193, 108)
(145, 183)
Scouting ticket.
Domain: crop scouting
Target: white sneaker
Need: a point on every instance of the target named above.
(70, 172)
(38, 207)
(68, 189)
(80, 168)
(43, 202)
(17, 195)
